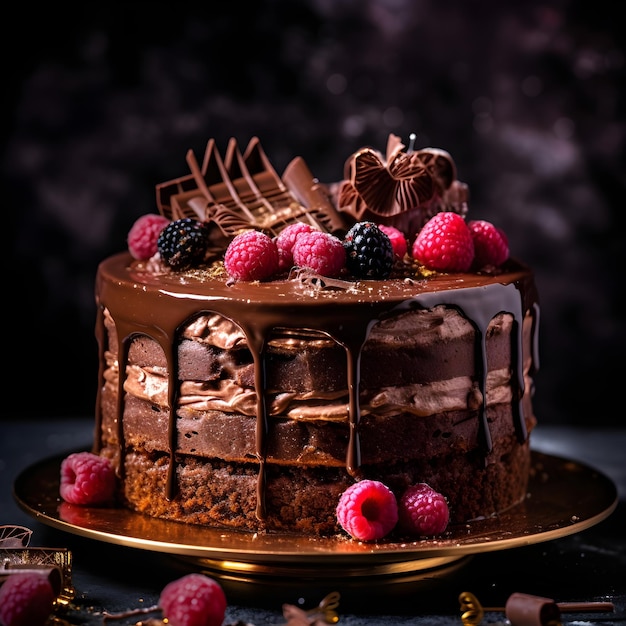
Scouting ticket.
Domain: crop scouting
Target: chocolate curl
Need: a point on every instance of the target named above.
(525, 610)
(53, 574)
(14, 536)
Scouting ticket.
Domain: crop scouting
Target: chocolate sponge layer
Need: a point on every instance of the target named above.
(302, 499)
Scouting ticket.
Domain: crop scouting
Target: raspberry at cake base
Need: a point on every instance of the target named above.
(253, 405)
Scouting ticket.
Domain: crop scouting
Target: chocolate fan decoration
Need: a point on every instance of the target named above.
(403, 189)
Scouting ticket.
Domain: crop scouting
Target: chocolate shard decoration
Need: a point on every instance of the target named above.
(243, 190)
(312, 194)
(14, 536)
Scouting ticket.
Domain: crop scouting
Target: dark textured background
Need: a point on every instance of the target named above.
(102, 104)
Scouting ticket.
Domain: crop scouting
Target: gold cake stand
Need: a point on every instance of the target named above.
(564, 497)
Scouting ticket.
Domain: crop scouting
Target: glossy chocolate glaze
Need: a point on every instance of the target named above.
(157, 305)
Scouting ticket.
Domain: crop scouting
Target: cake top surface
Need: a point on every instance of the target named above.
(234, 237)
(306, 288)
(394, 223)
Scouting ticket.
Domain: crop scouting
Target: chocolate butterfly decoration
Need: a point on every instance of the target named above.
(321, 615)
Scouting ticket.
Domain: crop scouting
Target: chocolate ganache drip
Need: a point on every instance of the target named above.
(157, 306)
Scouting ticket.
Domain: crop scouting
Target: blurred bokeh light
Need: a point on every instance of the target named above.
(104, 102)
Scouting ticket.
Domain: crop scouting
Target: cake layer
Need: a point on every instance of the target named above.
(218, 435)
(315, 363)
(304, 499)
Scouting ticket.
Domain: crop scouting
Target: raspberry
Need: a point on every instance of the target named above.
(284, 242)
(491, 246)
(183, 243)
(445, 243)
(369, 253)
(193, 600)
(321, 252)
(367, 510)
(251, 255)
(87, 479)
(397, 238)
(143, 235)
(423, 511)
(26, 600)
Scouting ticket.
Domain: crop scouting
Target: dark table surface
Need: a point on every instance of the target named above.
(108, 578)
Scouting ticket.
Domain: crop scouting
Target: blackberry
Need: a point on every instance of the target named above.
(369, 253)
(183, 243)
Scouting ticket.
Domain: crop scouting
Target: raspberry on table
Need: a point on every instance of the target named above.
(445, 243)
(143, 235)
(251, 255)
(397, 238)
(26, 600)
(367, 510)
(423, 511)
(285, 241)
(193, 600)
(321, 252)
(369, 253)
(87, 479)
(183, 243)
(491, 245)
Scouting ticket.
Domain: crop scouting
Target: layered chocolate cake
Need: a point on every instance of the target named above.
(254, 404)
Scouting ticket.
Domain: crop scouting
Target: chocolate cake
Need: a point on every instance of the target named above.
(253, 405)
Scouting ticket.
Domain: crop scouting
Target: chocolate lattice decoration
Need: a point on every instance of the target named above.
(243, 190)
